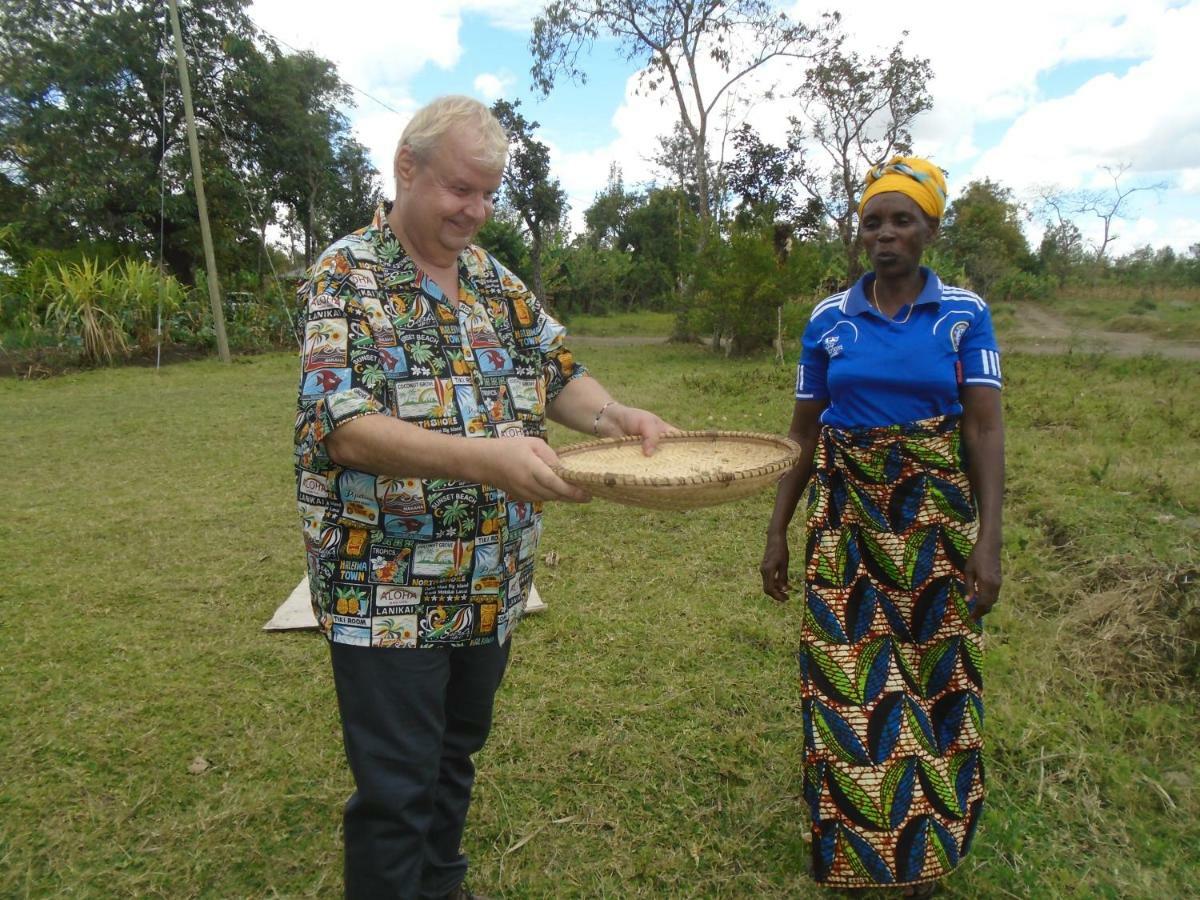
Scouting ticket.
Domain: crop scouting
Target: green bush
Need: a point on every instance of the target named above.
(1018, 285)
(102, 311)
(140, 292)
(744, 284)
(82, 311)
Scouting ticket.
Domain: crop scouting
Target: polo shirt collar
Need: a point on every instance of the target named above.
(857, 302)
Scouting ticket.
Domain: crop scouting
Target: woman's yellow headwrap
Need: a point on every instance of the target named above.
(918, 178)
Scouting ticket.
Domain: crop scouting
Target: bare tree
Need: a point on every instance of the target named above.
(1107, 204)
(858, 113)
(671, 40)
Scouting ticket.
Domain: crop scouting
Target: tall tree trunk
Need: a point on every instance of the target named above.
(685, 329)
(310, 228)
(853, 244)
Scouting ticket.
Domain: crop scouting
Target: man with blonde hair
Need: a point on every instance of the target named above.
(428, 371)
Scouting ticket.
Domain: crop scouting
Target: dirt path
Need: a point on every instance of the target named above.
(1039, 331)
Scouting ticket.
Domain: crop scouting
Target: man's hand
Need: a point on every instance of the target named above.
(629, 421)
(774, 568)
(520, 466)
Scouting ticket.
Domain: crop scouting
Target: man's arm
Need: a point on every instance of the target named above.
(382, 445)
(583, 399)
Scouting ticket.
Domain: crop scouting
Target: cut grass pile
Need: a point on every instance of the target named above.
(647, 739)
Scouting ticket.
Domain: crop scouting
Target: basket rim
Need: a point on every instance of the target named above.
(787, 446)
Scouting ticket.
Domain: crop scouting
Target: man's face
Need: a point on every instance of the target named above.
(445, 200)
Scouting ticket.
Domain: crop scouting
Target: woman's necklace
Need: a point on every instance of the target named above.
(875, 303)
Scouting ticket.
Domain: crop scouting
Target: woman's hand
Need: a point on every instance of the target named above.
(982, 576)
(983, 437)
(774, 568)
(806, 428)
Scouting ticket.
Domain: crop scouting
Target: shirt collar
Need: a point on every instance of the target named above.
(856, 298)
(384, 239)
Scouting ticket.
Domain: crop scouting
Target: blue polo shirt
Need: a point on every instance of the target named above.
(879, 371)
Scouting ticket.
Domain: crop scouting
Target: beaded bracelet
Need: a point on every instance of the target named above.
(596, 423)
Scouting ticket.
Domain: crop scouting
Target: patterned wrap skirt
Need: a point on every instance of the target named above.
(890, 658)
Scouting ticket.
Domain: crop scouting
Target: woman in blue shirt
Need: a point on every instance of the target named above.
(898, 413)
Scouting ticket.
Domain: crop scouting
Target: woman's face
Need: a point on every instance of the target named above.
(895, 232)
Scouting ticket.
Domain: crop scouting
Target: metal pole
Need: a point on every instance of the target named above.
(210, 261)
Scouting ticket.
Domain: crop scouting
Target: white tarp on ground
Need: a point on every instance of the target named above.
(295, 613)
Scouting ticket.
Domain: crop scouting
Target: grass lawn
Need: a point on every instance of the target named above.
(647, 740)
(619, 324)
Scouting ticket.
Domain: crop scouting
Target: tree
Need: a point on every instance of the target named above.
(596, 279)
(982, 233)
(662, 234)
(81, 130)
(84, 89)
(501, 236)
(1108, 204)
(528, 187)
(1061, 250)
(302, 144)
(763, 179)
(673, 40)
(858, 113)
(743, 283)
(357, 191)
(605, 218)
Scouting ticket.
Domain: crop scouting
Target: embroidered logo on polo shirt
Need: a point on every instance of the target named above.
(957, 330)
(833, 346)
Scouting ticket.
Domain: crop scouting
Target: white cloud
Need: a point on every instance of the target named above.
(514, 15)
(371, 43)
(988, 71)
(491, 87)
(1179, 232)
(380, 47)
(1148, 117)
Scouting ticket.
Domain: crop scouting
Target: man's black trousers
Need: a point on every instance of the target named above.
(410, 721)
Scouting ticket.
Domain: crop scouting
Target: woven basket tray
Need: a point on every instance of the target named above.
(689, 469)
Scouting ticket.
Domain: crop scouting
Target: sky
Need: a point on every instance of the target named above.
(1046, 92)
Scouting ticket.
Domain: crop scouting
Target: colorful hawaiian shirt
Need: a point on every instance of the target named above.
(410, 562)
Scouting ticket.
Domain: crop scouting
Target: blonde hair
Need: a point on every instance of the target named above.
(432, 122)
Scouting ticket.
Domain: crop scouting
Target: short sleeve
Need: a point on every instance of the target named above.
(978, 353)
(813, 366)
(341, 377)
(559, 367)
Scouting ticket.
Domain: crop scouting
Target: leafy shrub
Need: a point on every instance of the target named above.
(1019, 285)
(100, 310)
(744, 284)
(80, 310)
(139, 293)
